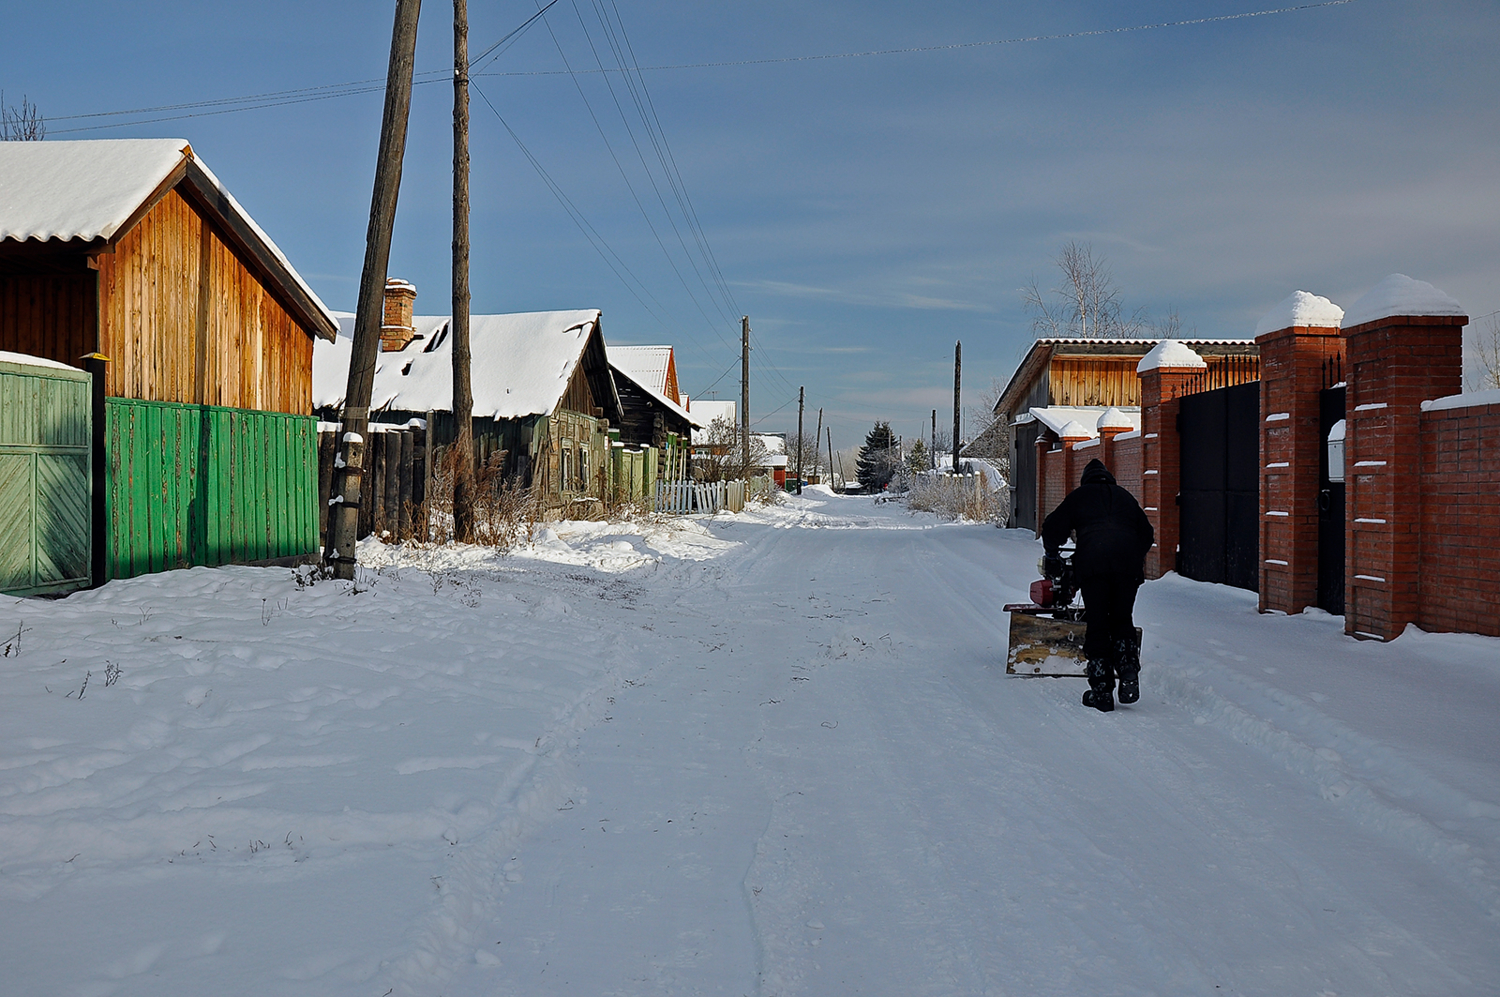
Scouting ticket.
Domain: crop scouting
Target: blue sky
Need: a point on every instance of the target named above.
(865, 212)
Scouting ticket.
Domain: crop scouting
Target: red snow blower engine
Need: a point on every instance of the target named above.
(1046, 634)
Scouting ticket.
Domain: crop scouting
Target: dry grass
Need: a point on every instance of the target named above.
(506, 514)
(965, 496)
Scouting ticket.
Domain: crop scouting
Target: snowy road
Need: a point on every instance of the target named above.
(778, 756)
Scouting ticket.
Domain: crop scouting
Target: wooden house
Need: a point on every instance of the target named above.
(132, 250)
(1076, 380)
(652, 410)
(543, 393)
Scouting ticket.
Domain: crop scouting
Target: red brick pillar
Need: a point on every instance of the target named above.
(1043, 444)
(1165, 374)
(1404, 345)
(1111, 424)
(1296, 340)
(1073, 461)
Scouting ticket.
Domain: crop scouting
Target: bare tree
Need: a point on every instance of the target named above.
(720, 455)
(1085, 305)
(1171, 327)
(21, 124)
(1487, 356)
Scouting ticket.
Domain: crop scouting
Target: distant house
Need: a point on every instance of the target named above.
(133, 250)
(1060, 381)
(652, 409)
(542, 388)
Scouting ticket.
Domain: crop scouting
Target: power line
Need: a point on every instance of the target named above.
(355, 87)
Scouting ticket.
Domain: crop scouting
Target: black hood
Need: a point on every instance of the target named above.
(1096, 473)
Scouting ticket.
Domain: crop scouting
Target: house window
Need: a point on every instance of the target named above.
(583, 467)
(562, 468)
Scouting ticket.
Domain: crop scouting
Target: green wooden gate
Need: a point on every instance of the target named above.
(46, 487)
(204, 485)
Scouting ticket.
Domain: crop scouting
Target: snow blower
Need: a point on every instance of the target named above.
(1046, 634)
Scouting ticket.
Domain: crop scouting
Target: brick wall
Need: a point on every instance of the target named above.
(1291, 367)
(1125, 464)
(1460, 520)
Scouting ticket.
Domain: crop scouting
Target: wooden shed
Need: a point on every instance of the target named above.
(133, 250)
(1080, 379)
(652, 412)
(542, 389)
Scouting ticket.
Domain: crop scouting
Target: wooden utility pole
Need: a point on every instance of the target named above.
(958, 367)
(463, 391)
(343, 529)
(745, 392)
(830, 457)
(801, 393)
(932, 452)
(816, 437)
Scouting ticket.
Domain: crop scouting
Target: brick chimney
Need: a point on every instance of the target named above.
(397, 331)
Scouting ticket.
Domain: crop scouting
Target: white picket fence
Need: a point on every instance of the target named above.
(684, 497)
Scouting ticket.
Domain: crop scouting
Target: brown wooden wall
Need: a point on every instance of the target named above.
(1095, 381)
(50, 316)
(182, 319)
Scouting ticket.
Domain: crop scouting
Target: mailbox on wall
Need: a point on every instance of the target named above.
(1336, 452)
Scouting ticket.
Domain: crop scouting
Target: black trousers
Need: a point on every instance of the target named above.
(1108, 601)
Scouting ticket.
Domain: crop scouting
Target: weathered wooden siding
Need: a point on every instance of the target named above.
(183, 319)
(52, 315)
(198, 484)
(1094, 381)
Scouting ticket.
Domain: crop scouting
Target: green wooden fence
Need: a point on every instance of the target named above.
(203, 485)
(45, 484)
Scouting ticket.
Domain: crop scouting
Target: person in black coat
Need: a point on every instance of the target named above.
(1113, 536)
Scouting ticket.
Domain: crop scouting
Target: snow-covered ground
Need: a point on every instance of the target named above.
(774, 753)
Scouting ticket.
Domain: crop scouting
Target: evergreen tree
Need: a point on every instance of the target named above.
(877, 458)
(917, 460)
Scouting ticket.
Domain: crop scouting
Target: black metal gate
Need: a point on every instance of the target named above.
(1219, 500)
(1330, 509)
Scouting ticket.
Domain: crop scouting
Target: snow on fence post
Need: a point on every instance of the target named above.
(1405, 346)
(1297, 339)
(1166, 374)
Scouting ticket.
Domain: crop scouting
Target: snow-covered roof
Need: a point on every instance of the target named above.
(88, 190)
(1301, 309)
(647, 367)
(1399, 294)
(520, 364)
(706, 410)
(1058, 417)
(1169, 353)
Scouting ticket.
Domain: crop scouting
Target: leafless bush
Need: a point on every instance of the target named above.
(958, 496)
(21, 124)
(506, 513)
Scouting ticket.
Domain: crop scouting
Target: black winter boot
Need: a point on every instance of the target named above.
(1128, 667)
(1101, 686)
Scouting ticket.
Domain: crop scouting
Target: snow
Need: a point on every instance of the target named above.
(1303, 310)
(1057, 417)
(1169, 353)
(706, 410)
(26, 360)
(1113, 418)
(1074, 429)
(1473, 399)
(646, 367)
(519, 363)
(772, 753)
(80, 190)
(87, 189)
(1399, 294)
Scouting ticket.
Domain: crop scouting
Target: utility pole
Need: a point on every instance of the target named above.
(816, 437)
(958, 367)
(800, 396)
(745, 392)
(932, 451)
(830, 457)
(369, 313)
(463, 391)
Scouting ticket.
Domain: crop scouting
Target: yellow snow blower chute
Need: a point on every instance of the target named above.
(1046, 634)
